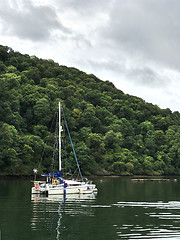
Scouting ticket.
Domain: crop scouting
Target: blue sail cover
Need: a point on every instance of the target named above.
(58, 174)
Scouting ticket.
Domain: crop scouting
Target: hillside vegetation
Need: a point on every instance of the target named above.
(112, 132)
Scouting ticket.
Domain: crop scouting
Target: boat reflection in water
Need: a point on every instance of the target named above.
(48, 212)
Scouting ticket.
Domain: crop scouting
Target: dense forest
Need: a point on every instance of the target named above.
(113, 133)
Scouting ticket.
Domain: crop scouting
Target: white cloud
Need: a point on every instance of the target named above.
(29, 22)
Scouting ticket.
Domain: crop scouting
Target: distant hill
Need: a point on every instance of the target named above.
(113, 133)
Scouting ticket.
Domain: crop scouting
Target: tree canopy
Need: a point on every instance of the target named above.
(113, 132)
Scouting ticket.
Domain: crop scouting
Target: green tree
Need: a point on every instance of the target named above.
(42, 111)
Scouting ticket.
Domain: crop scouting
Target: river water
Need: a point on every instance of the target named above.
(122, 209)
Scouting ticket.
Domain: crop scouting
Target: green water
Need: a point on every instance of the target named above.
(122, 209)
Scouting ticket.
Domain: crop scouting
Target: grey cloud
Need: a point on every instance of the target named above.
(107, 65)
(86, 7)
(147, 77)
(148, 31)
(147, 28)
(32, 22)
(143, 76)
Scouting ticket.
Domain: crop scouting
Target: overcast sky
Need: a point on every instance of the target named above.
(133, 43)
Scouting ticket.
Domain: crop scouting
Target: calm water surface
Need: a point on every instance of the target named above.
(122, 209)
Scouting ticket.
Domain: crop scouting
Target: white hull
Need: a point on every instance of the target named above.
(60, 190)
(62, 198)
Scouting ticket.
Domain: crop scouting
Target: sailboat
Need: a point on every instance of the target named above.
(55, 184)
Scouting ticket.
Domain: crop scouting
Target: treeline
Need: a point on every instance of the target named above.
(113, 133)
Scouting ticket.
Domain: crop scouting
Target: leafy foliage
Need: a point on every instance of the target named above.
(113, 133)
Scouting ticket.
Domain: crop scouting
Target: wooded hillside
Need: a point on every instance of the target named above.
(112, 132)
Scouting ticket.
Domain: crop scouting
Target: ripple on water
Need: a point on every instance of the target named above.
(160, 205)
(160, 230)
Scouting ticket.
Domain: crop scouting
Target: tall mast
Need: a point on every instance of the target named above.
(60, 130)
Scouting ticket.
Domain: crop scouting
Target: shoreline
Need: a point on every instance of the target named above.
(96, 176)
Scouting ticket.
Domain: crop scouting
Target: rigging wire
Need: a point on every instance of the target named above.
(72, 145)
(64, 147)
